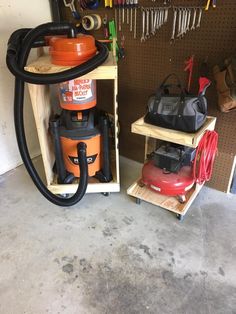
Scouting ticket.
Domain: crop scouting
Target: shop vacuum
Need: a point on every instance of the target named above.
(80, 132)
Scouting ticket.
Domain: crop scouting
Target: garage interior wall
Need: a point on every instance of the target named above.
(15, 14)
(147, 64)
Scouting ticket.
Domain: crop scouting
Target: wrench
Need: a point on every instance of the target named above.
(143, 26)
(188, 20)
(147, 24)
(152, 21)
(179, 22)
(174, 25)
(199, 18)
(194, 19)
(166, 15)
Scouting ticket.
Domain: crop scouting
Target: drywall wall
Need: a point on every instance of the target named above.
(15, 14)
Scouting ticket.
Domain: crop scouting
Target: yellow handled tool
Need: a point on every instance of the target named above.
(108, 3)
(208, 4)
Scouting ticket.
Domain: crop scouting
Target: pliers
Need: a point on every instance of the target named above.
(208, 4)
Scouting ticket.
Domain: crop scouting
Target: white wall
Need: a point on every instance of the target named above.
(15, 14)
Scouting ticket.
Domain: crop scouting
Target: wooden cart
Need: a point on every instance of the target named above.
(42, 109)
(152, 133)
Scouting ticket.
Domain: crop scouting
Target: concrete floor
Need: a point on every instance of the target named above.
(109, 255)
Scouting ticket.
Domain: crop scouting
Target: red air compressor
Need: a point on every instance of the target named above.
(174, 169)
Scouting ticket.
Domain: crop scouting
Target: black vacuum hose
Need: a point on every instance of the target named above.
(19, 46)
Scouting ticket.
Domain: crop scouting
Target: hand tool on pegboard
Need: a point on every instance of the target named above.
(123, 11)
(189, 68)
(208, 4)
(116, 8)
(89, 4)
(131, 15)
(127, 2)
(105, 27)
(119, 3)
(71, 4)
(108, 3)
(135, 18)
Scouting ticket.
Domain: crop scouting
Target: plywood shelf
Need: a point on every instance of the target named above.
(187, 139)
(42, 109)
(167, 202)
(43, 65)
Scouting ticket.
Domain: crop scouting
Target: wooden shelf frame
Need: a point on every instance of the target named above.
(152, 133)
(42, 110)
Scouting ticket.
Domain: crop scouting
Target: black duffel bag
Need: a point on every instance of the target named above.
(176, 111)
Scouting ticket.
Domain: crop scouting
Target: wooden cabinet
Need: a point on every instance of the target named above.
(42, 109)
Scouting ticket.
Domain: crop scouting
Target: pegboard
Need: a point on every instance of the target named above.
(147, 64)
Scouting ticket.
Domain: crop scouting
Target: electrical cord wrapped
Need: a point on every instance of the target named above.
(205, 157)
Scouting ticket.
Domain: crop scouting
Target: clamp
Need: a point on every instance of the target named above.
(71, 4)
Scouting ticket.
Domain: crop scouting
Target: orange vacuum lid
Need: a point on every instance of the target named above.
(72, 51)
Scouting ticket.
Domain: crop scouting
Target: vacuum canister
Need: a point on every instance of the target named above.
(78, 94)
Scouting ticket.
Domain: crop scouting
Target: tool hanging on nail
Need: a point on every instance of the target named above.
(127, 11)
(131, 15)
(208, 4)
(189, 67)
(119, 2)
(153, 18)
(71, 4)
(185, 19)
(89, 4)
(135, 18)
(108, 3)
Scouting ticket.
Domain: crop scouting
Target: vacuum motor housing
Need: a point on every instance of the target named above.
(76, 127)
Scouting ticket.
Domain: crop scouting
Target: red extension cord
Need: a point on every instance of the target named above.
(205, 156)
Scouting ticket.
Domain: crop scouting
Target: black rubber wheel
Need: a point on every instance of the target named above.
(106, 194)
(138, 201)
(180, 217)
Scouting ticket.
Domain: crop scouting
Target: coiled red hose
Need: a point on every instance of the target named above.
(205, 157)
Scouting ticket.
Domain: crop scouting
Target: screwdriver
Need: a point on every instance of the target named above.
(123, 11)
(135, 17)
(131, 14)
(119, 2)
(116, 5)
(127, 6)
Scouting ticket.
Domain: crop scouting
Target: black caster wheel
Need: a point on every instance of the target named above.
(106, 194)
(181, 199)
(138, 201)
(180, 217)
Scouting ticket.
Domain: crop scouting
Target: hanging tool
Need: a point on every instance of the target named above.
(131, 15)
(174, 25)
(108, 3)
(208, 4)
(189, 67)
(194, 20)
(143, 25)
(116, 7)
(105, 27)
(119, 3)
(123, 11)
(199, 18)
(135, 18)
(127, 12)
(121, 53)
(71, 4)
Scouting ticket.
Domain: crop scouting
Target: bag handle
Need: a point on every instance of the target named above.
(163, 85)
